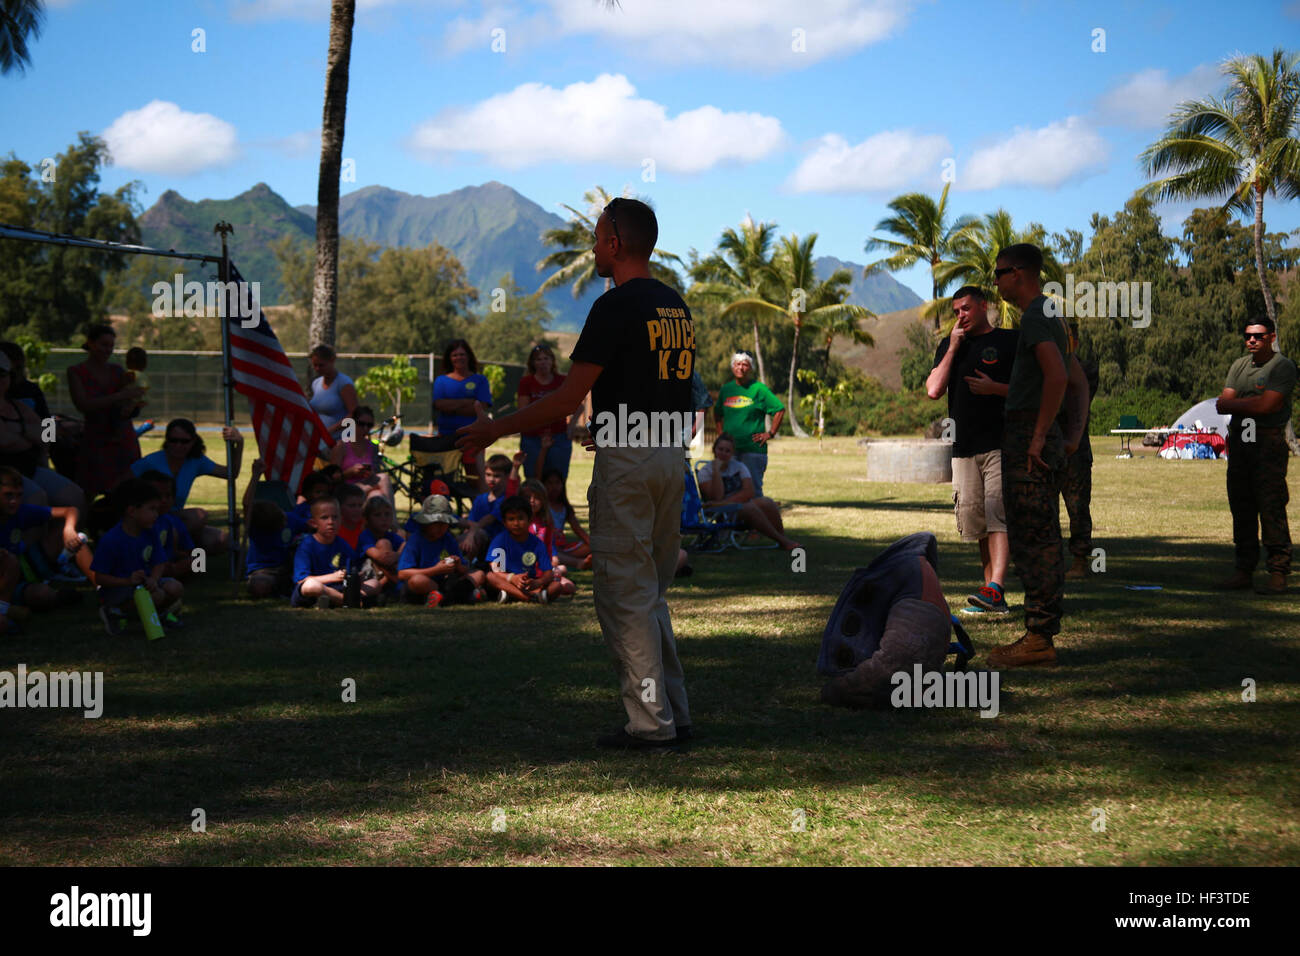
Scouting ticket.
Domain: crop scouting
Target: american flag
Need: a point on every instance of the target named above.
(289, 432)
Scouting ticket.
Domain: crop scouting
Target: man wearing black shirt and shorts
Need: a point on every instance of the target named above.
(636, 354)
(973, 366)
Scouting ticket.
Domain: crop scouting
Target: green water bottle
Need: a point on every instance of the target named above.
(148, 613)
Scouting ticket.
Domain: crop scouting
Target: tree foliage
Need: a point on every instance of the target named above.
(53, 292)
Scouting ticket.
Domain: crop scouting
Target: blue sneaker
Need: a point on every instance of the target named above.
(990, 598)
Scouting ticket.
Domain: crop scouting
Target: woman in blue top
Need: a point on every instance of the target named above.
(333, 396)
(183, 458)
(456, 397)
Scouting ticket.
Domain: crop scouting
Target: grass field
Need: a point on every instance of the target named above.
(466, 717)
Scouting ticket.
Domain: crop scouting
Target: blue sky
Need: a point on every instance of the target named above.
(812, 113)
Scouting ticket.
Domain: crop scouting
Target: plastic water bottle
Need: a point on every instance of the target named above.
(148, 613)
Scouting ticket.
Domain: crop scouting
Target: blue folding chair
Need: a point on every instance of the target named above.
(740, 532)
(701, 532)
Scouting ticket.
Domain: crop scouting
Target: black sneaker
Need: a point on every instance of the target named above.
(173, 621)
(114, 620)
(622, 740)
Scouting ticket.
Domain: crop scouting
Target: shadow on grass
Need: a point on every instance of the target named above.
(242, 714)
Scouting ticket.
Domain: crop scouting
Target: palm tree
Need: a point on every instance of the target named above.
(975, 254)
(20, 20)
(574, 261)
(924, 235)
(737, 270)
(1241, 146)
(792, 280)
(325, 292)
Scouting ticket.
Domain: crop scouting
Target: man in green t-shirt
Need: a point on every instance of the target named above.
(1258, 397)
(741, 411)
(1034, 451)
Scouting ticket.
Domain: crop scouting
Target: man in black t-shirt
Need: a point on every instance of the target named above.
(636, 355)
(973, 366)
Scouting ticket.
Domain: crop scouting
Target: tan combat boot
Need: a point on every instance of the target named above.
(1240, 581)
(1078, 570)
(1032, 649)
(1276, 584)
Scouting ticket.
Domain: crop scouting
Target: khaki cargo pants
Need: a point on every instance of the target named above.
(635, 503)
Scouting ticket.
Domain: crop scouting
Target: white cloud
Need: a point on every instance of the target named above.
(599, 122)
(1145, 100)
(1045, 157)
(160, 137)
(755, 34)
(888, 160)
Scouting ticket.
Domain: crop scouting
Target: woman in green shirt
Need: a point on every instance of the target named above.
(741, 411)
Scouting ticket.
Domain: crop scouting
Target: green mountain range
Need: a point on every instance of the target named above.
(260, 217)
(880, 293)
(491, 228)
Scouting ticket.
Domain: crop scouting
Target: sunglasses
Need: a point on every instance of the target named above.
(999, 273)
(361, 423)
(1257, 335)
(613, 221)
(179, 441)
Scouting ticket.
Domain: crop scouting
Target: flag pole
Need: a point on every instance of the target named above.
(228, 382)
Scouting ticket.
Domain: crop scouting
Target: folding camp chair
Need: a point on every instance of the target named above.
(701, 532)
(741, 533)
(438, 458)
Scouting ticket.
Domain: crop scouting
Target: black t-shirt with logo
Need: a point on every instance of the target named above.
(642, 336)
(978, 418)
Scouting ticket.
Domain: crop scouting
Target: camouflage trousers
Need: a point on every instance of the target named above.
(1077, 492)
(1258, 496)
(1032, 500)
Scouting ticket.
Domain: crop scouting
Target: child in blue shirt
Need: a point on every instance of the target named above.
(432, 568)
(521, 563)
(323, 560)
(129, 556)
(378, 544)
(174, 541)
(316, 485)
(484, 518)
(33, 566)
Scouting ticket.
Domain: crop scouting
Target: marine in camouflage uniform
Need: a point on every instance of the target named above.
(1257, 489)
(1077, 486)
(1044, 373)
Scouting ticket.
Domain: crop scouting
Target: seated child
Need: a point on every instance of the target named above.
(541, 526)
(315, 485)
(379, 544)
(128, 556)
(484, 520)
(577, 552)
(322, 560)
(431, 568)
(34, 540)
(177, 547)
(268, 562)
(521, 564)
(352, 503)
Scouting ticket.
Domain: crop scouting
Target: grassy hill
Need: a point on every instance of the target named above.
(890, 332)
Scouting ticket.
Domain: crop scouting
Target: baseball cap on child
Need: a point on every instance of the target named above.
(434, 508)
(439, 487)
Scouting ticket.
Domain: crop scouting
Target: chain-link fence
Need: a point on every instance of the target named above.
(188, 384)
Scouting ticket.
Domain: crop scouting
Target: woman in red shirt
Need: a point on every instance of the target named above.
(550, 446)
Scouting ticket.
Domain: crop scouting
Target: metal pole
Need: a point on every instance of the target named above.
(228, 382)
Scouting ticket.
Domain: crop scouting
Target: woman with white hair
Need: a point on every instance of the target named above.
(741, 411)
